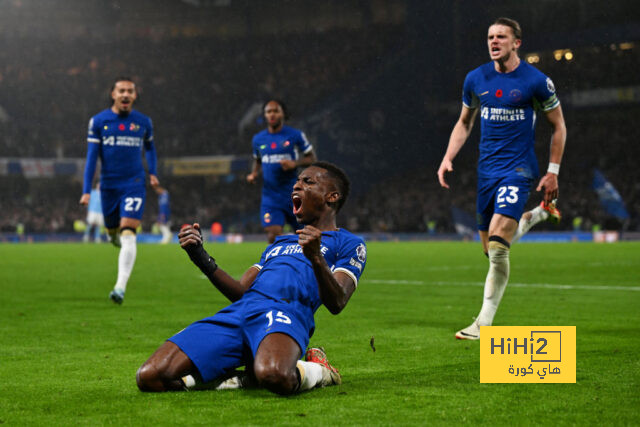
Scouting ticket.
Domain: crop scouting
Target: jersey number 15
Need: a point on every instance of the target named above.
(280, 317)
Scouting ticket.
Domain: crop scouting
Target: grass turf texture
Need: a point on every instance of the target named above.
(69, 356)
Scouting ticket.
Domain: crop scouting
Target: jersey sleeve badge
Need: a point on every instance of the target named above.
(361, 252)
(550, 87)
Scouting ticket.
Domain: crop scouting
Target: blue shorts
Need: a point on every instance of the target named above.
(273, 214)
(126, 202)
(506, 196)
(230, 338)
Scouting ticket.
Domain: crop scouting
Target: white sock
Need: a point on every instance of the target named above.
(126, 259)
(189, 382)
(495, 283)
(537, 215)
(310, 374)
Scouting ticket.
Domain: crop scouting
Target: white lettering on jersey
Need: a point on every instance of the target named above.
(273, 252)
(502, 114)
(129, 141)
(356, 264)
(275, 158)
(292, 249)
(123, 141)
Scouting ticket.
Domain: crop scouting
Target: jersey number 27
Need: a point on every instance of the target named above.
(132, 204)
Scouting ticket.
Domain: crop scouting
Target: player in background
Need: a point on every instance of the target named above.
(95, 219)
(117, 136)
(277, 153)
(507, 92)
(164, 214)
(271, 318)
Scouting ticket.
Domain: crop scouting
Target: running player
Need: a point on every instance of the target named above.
(271, 318)
(507, 92)
(117, 136)
(277, 152)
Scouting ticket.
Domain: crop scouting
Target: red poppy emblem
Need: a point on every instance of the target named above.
(121, 126)
(273, 145)
(499, 93)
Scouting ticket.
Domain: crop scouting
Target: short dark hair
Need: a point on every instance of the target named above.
(512, 23)
(121, 79)
(341, 180)
(282, 105)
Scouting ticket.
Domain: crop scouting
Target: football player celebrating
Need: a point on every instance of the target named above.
(117, 136)
(506, 91)
(271, 318)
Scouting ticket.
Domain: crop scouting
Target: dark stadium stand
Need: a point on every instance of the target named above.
(378, 98)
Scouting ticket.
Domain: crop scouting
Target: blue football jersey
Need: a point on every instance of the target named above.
(118, 141)
(271, 148)
(508, 104)
(286, 274)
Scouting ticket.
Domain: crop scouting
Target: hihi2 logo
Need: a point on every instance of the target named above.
(527, 354)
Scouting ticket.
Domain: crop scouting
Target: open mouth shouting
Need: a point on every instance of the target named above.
(297, 205)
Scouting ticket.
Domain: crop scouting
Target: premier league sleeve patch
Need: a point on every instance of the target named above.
(550, 87)
(361, 252)
(352, 260)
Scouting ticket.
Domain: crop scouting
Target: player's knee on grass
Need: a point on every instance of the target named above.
(148, 378)
(276, 378)
(154, 378)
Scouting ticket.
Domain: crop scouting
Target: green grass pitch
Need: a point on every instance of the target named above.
(69, 356)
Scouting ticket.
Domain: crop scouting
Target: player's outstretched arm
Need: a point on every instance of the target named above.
(191, 241)
(335, 288)
(459, 136)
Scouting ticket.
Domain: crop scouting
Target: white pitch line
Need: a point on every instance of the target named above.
(516, 285)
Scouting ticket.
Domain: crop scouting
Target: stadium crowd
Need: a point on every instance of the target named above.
(197, 99)
(195, 89)
(411, 201)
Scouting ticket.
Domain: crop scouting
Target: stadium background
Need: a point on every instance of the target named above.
(375, 84)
